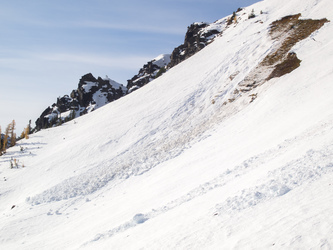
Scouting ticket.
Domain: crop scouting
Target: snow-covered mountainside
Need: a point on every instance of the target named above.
(230, 149)
(91, 94)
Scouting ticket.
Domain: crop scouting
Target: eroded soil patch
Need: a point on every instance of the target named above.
(287, 32)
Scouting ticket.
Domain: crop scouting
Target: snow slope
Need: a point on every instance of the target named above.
(176, 165)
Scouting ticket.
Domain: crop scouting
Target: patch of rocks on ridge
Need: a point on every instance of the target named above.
(149, 72)
(198, 36)
(91, 94)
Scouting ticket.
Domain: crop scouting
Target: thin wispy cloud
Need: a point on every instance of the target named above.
(119, 62)
(28, 63)
(132, 27)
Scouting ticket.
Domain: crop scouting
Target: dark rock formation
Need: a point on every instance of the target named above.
(91, 94)
(196, 38)
(144, 76)
(148, 72)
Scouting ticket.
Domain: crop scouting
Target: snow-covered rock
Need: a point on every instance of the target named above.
(90, 95)
(148, 72)
(197, 37)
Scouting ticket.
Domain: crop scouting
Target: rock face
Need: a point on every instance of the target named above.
(148, 72)
(91, 94)
(197, 37)
(92, 91)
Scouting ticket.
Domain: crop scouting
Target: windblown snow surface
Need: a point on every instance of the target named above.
(179, 164)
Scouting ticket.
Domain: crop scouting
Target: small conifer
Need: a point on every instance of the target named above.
(22, 134)
(27, 131)
(12, 133)
(252, 15)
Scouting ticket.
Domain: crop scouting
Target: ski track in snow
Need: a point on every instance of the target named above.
(283, 180)
(307, 168)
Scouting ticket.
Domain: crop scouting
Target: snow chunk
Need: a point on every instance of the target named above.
(139, 218)
(87, 87)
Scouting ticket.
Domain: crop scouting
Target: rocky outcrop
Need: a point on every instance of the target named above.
(197, 37)
(89, 86)
(148, 72)
(91, 94)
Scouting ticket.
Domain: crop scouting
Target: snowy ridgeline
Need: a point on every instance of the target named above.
(203, 157)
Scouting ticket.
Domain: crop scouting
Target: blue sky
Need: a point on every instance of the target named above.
(46, 46)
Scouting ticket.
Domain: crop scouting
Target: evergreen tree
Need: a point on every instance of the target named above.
(160, 72)
(26, 131)
(22, 134)
(12, 134)
(252, 15)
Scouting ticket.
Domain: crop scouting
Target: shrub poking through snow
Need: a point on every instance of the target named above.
(232, 19)
(252, 15)
(15, 163)
(160, 72)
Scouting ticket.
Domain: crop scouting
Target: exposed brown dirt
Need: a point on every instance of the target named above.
(288, 65)
(287, 31)
(290, 30)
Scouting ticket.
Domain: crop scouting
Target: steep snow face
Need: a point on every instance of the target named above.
(190, 161)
